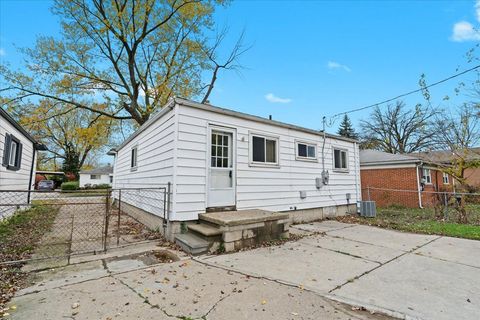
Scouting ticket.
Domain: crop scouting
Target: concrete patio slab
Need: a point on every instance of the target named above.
(104, 298)
(420, 287)
(453, 249)
(365, 251)
(241, 217)
(323, 226)
(311, 267)
(382, 237)
(268, 300)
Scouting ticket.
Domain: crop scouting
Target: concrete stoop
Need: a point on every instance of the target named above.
(233, 230)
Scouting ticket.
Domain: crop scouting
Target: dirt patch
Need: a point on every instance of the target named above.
(149, 258)
(19, 235)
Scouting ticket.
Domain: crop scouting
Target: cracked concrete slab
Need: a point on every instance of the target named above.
(323, 226)
(455, 250)
(186, 289)
(369, 252)
(382, 237)
(104, 298)
(316, 268)
(420, 287)
(269, 300)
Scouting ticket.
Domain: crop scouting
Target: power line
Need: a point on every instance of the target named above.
(405, 94)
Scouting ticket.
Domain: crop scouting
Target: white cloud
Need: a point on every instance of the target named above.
(274, 99)
(464, 31)
(335, 65)
(2, 52)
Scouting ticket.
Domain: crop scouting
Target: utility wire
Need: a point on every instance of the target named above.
(405, 94)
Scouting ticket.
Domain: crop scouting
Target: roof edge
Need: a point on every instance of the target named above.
(17, 126)
(212, 108)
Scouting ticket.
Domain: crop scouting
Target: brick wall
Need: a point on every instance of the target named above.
(473, 176)
(400, 179)
(394, 178)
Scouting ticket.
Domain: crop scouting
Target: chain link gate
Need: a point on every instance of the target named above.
(82, 222)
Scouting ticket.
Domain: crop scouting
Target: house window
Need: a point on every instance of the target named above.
(133, 158)
(220, 150)
(340, 159)
(111, 179)
(427, 176)
(94, 177)
(306, 151)
(264, 150)
(445, 178)
(12, 153)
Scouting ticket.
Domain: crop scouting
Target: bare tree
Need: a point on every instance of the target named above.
(398, 129)
(455, 135)
(124, 59)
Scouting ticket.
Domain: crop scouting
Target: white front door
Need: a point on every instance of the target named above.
(221, 168)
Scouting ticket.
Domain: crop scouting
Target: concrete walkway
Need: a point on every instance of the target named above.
(129, 288)
(401, 274)
(404, 275)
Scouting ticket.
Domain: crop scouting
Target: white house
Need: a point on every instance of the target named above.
(219, 158)
(101, 175)
(17, 170)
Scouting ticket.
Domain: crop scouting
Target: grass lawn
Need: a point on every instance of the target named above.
(423, 221)
(18, 237)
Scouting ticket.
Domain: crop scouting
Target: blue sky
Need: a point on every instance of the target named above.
(314, 58)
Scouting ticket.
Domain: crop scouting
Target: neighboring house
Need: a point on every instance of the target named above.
(398, 179)
(217, 159)
(17, 170)
(445, 157)
(101, 175)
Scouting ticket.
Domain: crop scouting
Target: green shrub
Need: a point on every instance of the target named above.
(71, 185)
(102, 186)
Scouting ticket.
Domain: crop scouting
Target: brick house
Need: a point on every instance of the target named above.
(472, 175)
(398, 179)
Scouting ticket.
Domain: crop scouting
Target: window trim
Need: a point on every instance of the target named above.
(7, 153)
(445, 175)
(343, 170)
(308, 144)
(134, 166)
(277, 150)
(97, 177)
(429, 175)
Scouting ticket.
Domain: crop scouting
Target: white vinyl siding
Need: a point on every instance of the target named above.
(273, 188)
(154, 164)
(92, 179)
(15, 179)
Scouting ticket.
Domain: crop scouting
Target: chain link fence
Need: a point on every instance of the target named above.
(444, 205)
(78, 222)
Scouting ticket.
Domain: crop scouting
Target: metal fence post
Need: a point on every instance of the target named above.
(107, 218)
(445, 202)
(118, 218)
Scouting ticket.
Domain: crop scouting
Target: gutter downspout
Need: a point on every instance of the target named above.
(418, 186)
(31, 174)
(356, 178)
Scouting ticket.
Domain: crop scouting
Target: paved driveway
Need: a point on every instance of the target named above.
(403, 274)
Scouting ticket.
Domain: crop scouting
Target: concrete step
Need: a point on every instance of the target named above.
(191, 243)
(206, 230)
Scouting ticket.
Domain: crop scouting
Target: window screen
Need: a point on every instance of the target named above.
(264, 150)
